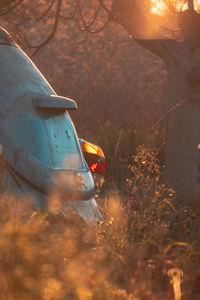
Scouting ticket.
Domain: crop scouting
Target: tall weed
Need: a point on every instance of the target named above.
(146, 247)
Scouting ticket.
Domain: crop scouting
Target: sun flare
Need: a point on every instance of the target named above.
(159, 7)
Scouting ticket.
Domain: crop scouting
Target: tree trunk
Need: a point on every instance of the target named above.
(182, 59)
(182, 153)
(191, 4)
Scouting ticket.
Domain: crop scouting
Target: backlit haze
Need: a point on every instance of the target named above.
(159, 7)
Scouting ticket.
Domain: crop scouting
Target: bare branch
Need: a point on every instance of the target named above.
(101, 28)
(51, 35)
(58, 16)
(11, 7)
(87, 27)
(105, 7)
(95, 16)
(46, 12)
(69, 17)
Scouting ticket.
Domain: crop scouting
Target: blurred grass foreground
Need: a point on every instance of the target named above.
(146, 247)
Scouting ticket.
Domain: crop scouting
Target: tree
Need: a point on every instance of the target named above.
(182, 60)
(91, 16)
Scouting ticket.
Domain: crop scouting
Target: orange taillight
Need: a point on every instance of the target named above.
(94, 157)
(91, 148)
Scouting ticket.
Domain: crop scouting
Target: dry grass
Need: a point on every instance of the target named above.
(146, 248)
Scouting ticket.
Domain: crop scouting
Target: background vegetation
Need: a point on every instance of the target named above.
(146, 248)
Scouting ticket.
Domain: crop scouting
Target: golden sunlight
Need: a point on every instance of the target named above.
(159, 7)
(197, 5)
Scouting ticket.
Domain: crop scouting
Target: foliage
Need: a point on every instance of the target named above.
(146, 248)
